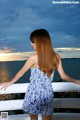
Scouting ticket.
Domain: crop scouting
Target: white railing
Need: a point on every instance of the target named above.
(6, 105)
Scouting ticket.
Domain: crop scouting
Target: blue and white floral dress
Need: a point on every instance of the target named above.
(39, 95)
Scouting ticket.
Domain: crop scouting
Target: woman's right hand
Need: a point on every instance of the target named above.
(4, 85)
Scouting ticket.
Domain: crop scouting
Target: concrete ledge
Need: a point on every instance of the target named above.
(56, 116)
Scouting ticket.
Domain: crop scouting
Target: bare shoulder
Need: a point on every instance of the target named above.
(58, 56)
(33, 57)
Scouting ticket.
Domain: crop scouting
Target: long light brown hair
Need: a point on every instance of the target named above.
(47, 58)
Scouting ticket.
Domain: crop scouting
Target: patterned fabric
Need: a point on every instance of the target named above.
(39, 95)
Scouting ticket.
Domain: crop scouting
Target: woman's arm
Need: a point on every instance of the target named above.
(24, 69)
(27, 65)
(63, 75)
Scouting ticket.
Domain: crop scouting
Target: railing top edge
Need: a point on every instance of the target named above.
(57, 87)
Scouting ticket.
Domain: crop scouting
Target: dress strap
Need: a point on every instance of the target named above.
(37, 59)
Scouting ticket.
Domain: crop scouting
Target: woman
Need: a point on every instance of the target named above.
(39, 95)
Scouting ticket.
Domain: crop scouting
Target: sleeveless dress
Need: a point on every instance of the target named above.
(39, 95)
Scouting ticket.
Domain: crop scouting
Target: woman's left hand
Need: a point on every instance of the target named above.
(4, 85)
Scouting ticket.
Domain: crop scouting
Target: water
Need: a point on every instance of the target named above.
(9, 69)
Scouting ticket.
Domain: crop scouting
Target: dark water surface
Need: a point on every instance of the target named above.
(9, 69)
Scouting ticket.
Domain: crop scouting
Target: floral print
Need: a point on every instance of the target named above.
(39, 95)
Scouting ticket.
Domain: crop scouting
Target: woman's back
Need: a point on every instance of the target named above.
(39, 74)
